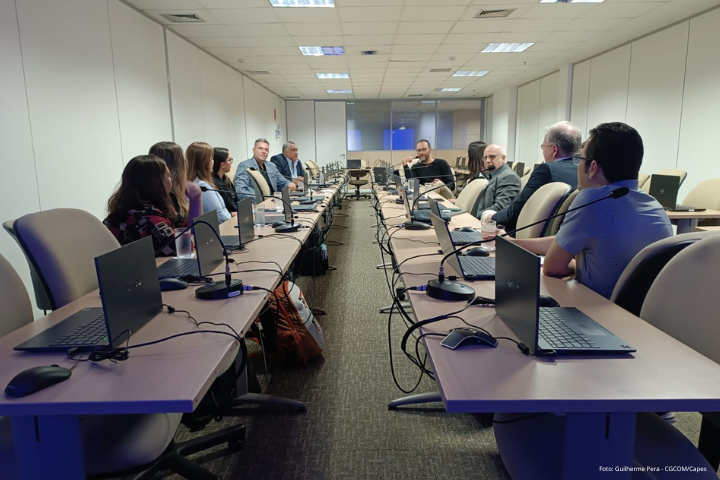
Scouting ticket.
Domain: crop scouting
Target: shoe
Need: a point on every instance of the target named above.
(669, 417)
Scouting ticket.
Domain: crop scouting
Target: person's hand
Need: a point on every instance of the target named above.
(295, 181)
(407, 160)
(300, 179)
(292, 187)
(452, 200)
(487, 215)
(192, 190)
(233, 214)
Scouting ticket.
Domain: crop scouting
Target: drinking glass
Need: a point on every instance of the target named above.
(183, 245)
(488, 229)
(260, 215)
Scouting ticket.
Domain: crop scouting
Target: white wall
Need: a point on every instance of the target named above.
(504, 120)
(537, 108)
(301, 127)
(90, 89)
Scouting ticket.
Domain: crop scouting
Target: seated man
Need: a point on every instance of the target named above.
(288, 164)
(430, 170)
(562, 140)
(243, 182)
(604, 237)
(503, 184)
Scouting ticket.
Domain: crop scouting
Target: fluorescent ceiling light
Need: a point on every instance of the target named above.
(303, 3)
(571, 1)
(453, 89)
(471, 74)
(507, 47)
(347, 90)
(333, 75)
(320, 51)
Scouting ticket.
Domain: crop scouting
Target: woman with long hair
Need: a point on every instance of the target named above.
(200, 164)
(142, 205)
(475, 163)
(222, 164)
(174, 158)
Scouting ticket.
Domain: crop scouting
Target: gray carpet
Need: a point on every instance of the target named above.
(348, 432)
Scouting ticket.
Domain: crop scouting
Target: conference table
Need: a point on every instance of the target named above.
(168, 377)
(687, 221)
(599, 395)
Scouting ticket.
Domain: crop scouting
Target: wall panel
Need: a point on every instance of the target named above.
(580, 96)
(548, 113)
(212, 79)
(301, 127)
(235, 115)
(186, 90)
(609, 87)
(528, 112)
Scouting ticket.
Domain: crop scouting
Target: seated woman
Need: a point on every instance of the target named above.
(174, 158)
(200, 164)
(141, 206)
(222, 163)
(475, 163)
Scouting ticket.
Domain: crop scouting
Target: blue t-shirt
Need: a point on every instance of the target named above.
(605, 237)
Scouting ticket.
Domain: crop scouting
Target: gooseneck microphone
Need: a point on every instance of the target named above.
(442, 289)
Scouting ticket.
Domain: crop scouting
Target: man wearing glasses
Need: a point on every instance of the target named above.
(430, 169)
(503, 184)
(597, 242)
(561, 141)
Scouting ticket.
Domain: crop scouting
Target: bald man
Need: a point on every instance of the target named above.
(503, 184)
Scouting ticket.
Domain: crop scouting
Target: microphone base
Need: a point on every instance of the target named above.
(220, 290)
(449, 290)
(416, 226)
(287, 228)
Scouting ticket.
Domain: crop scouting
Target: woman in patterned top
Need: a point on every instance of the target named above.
(142, 207)
(174, 158)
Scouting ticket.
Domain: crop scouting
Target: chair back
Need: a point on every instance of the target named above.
(14, 298)
(523, 182)
(359, 176)
(259, 183)
(669, 171)
(637, 278)
(543, 203)
(683, 300)
(62, 245)
(313, 168)
(557, 221)
(470, 193)
(642, 179)
(705, 195)
(41, 297)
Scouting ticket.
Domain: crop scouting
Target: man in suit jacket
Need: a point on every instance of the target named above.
(288, 164)
(561, 141)
(503, 184)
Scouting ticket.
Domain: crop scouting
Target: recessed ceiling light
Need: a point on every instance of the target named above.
(320, 51)
(347, 90)
(507, 47)
(471, 74)
(571, 1)
(428, 102)
(453, 89)
(302, 3)
(333, 75)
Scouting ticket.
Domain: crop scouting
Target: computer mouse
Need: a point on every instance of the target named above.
(467, 336)
(35, 379)
(477, 252)
(547, 301)
(277, 224)
(466, 229)
(168, 284)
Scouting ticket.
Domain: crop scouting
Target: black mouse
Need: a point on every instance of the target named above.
(277, 224)
(467, 336)
(477, 252)
(466, 229)
(168, 284)
(36, 378)
(547, 301)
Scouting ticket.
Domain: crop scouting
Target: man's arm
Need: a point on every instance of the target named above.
(539, 177)
(558, 262)
(243, 184)
(507, 189)
(446, 175)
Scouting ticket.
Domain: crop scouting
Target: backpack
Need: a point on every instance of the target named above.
(291, 333)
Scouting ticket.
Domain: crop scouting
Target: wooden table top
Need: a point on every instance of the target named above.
(693, 215)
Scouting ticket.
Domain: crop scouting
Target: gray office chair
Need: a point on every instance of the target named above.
(359, 178)
(41, 297)
(564, 206)
(260, 185)
(542, 204)
(705, 194)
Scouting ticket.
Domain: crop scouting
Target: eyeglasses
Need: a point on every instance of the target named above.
(422, 149)
(577, 159)
(490, 157)
(542, 145)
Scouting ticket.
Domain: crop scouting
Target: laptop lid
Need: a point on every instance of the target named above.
(129, 289)
(287, 209)
(443, 235)
(664, 188)
(380, 174)
(517, 290)
(207, 246)
(406, 203)
(354, 164)
(246, 227)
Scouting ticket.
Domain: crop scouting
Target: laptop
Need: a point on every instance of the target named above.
(381, 176)
(245, 226)
(664, 188)
(288, 209)
(208, 252)
(458, 238)
(286, 217)
(471, 268)
(421, 213)
(545, 330)
(130, 295)
(354, 164)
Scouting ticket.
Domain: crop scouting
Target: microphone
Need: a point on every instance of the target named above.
(285, 228)
(452, 290)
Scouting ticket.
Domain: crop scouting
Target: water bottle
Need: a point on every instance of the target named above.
(321, 179)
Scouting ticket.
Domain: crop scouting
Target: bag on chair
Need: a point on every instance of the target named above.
(290, 331)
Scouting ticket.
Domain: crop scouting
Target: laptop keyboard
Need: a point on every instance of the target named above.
(177, 269)
(274, 218)
(477, 266)
(230, 240)
(94, 333)
(558, 335)
(463, 238)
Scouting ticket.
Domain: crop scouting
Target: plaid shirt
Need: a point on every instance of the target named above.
(144, 221)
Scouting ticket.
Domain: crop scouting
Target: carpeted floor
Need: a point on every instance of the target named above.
(347, 431)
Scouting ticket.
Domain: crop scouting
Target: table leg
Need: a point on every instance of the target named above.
(686, 225)
(597, 440)
(47, 445)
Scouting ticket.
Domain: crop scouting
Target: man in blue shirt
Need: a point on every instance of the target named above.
(288, 164)
(599, 241)
(243, 182)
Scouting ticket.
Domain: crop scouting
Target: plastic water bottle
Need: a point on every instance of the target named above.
(321, 179)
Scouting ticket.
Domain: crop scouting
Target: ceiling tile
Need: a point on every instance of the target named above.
(430, 39)
(322, 40)
(251, 30)
(209, 18)
(274, 51)
(220, 42)
(423, 14)
(575, 36)
(554, 46)
(232, 52)
(200, 31)
(558, 10)
(357, 50)
(457, 59)
(409, 58)
(544, 25)
(232, 3)
(481, 26)
(621, 10)
(414, 49)
(366, 3)
(307, 15)
(473, 10)
(164, 4)
(435, 2)
(520, 37)
(469, 38)
(314, 29)
(270, 41)
(368, 40)
(370, 14)
(369, 28)
(231, 16)
(596, 24)
(418, 28)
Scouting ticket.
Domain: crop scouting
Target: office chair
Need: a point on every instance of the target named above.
(313, 168)
(642, 178)
(359, 178)
(669, 171)
(564, 206)
(260, 185)
(543, 203)
(705, 195)
(523, 182)
(470, 194)
(41, 297)
(112, 444)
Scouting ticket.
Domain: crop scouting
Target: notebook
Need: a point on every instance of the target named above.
(208, 252)
(664, 188)
(471, 268)
(245, 226)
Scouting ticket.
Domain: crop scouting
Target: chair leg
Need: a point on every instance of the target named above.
(415, 400)
(260, 399)
(234, 436)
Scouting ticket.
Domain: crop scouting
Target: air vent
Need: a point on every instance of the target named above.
(292, 98)
(440, 70)
(258, 72)
(495, 13)
(413, 96)
(183, 17)
(369, 52)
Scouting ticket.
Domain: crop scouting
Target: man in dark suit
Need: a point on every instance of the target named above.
(288, 164)
(561, 141)
(503, 184)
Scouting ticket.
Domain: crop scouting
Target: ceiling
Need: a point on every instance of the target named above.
(411, 37)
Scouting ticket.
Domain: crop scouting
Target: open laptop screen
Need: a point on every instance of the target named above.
(354, 164)
(664, 189)
(446, 243)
